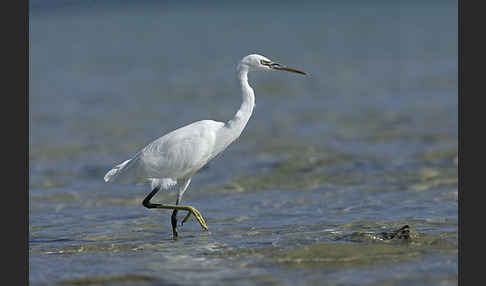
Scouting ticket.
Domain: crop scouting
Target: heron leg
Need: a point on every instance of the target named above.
(190, 209)
(184, 185)
(146, 202)
(174, 220)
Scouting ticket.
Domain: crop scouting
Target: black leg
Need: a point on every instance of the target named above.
(174, 223)
(191, 210)
(174, 220)
(146, 202)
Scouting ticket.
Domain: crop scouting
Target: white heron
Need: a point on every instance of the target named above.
(175, 157)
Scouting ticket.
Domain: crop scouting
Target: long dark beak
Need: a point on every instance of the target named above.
(284, 68)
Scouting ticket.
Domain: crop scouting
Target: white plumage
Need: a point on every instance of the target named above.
(179, 154)
(175, 157)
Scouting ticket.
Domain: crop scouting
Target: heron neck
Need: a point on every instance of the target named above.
(239, 121)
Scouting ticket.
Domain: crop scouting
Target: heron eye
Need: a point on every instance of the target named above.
(264, 62)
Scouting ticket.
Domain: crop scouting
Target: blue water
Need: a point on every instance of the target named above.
(366, 143)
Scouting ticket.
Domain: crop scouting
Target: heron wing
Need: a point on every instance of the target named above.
(180, 152)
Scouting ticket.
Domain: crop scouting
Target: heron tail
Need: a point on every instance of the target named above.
(113, 173)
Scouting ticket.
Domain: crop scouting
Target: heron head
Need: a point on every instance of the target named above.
(256, 62)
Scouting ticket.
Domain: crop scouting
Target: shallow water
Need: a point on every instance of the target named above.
(367, 143)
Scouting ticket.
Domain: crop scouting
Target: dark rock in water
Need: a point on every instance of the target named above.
(403, 233)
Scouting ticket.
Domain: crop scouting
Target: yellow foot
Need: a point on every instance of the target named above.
(197, 215)
(190, 209)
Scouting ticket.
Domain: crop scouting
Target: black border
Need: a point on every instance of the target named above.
(26, 181)
(15, 143)
(460, 155)
(470, 94)
(25, 97)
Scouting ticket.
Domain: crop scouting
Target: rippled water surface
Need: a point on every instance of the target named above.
(366, 144)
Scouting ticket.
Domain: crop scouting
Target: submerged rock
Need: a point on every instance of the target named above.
(367, 248)
(405, 233)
